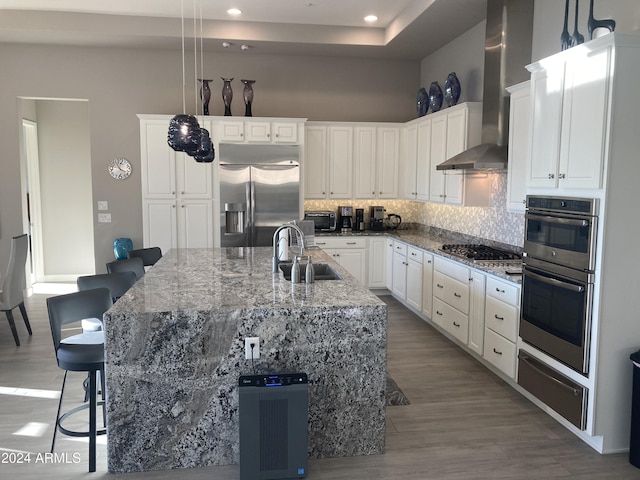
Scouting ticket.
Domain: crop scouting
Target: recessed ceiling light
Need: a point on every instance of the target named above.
(234, 11)
(370, 18)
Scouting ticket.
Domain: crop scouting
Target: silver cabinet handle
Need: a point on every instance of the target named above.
(457, 295)
(456, 324)
(561, 176)
(497, 352)
(551, 176)
(499, 291)
(439, 286)
(498, 317)
(351, 243)
(438, 313)
(556, 282)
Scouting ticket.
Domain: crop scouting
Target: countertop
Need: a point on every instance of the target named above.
(431, 240)
(174, 350)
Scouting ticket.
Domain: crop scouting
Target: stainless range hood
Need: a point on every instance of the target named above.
(507, 50)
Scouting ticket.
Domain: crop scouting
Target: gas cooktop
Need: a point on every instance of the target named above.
(481, 253)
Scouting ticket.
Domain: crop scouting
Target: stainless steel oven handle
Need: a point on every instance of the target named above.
(555, 281)
(561, 220)
(574, 391)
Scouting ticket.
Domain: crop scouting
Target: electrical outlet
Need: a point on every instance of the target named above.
(256, 348)
(103, 205)
(104, 218)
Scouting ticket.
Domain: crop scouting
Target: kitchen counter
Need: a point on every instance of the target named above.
(431, 240)
(175, 349)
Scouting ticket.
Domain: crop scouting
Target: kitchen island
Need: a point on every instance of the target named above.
(174, 346)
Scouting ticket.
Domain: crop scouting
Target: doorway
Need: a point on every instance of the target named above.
(57, 185)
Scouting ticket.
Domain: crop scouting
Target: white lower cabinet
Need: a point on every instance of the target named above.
(452, 320)
(451, 293)
(349, 252)
(477, 311)
(427, 284)
(178, 223)
(502, 313)
(388, 246)
(377, 253)
(407, 274)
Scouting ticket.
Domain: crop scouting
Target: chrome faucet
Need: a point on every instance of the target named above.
(276, 258)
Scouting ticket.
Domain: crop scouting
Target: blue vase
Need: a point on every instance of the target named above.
(422, 102)
(435, 97)
(121, 246)
(451, 90)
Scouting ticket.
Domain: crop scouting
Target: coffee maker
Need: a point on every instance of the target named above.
(345, 218)
(377, 218)
(358, 226)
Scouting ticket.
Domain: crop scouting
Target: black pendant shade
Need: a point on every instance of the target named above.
(184, 134)
(205, 152)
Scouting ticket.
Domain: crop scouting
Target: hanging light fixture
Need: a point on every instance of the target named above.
(185, 133)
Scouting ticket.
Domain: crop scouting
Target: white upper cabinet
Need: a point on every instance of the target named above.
(340, 161)
(519, 146)
(570, 103)
(410, 162)
(417, 144)
(364, 161)
(453, 131)
(258, 130)
(315, 162)
(387, 161)
(376, 153)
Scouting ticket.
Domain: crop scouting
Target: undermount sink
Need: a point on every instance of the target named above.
(322, 271)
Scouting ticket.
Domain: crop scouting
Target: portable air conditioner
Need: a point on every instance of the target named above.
(274, 411)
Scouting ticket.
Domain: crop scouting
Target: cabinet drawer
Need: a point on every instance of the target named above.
(452, 269)
(414, 254)
(500, 352)
(341, 242)
(452, 291)
(502, 318)
(453, 321)
(400, 247)
(503, 291)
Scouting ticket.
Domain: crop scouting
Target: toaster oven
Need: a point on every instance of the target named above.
(324, 220)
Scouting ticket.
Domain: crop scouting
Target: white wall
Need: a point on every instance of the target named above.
(65, 188)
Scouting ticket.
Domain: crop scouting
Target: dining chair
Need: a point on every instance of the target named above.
(117, 283)
(11, 294)
(148, 255)
(135, 265)
(80, 353)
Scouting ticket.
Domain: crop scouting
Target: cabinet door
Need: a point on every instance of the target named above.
(195, 224)
(257, 131)
(364, 161)
(285, 132)
(160, 224)
(423, 162)
(456, 143)
(389, 263)
(340, 162)
(158, 170)
(476, 312)
(519, 147)
(546, 93)
(355, 262)
(377, 263)
(194, 179)
(414, 284)
(399, 287)
(438, 154)
(427, 285)
(315, 162)
(388, 157)
(231, 131)
(410, 162)
(584, 120)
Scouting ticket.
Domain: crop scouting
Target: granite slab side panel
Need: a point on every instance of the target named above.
(172, 381)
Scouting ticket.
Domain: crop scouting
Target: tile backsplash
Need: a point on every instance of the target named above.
(492, 223)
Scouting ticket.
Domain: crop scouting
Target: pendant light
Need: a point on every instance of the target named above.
(185, 133)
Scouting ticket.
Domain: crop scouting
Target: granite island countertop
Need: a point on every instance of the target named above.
(174, 346)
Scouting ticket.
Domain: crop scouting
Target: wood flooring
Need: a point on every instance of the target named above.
(463, 421)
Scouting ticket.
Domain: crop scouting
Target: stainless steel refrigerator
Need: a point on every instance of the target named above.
(259, 191)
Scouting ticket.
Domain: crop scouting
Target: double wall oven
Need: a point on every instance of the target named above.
(557, 294)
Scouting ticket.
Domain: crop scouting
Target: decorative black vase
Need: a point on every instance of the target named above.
(577, 38)
(592, 24)
(452, 90)
(565, 38)
(247, 94)
(227, 95)
(435, 97)
(422, 102)
(205, 95)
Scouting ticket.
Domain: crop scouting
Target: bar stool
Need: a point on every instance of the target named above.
(80, 353)
(135, 265)
(149, 255)
(118, 283)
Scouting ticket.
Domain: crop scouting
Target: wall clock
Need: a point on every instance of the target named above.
(120, 168)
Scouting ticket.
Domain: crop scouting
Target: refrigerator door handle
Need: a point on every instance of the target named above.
(251, 201)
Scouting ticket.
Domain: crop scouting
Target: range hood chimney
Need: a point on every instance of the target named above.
(506, 52)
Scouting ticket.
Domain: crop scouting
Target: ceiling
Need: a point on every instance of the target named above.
(406, 29)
